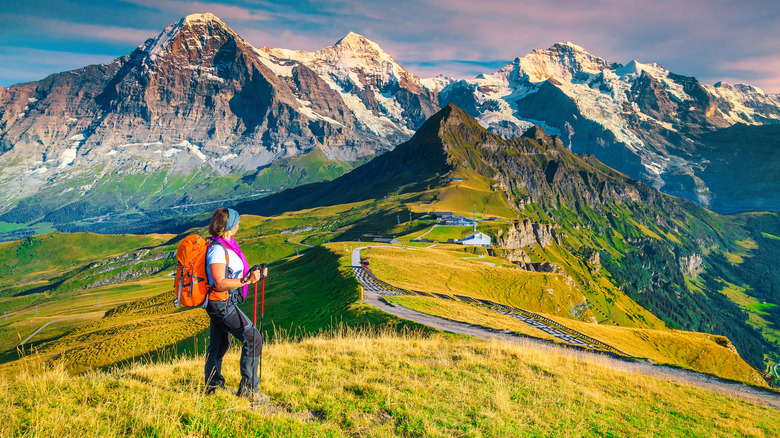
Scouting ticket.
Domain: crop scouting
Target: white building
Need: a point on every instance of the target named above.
(477, 239)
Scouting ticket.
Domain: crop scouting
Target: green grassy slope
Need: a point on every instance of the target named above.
(39, 260)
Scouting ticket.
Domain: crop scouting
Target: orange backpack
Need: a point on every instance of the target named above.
(191, 281)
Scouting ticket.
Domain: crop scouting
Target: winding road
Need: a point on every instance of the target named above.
(375, 290)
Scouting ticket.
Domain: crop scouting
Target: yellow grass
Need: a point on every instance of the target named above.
(738, 296)
(734, 259)
(474, 190)
(748, 244)
(137, 328)
(439, 271)
(380, 386)
(646, 231)
(701, 352)
(443, 269)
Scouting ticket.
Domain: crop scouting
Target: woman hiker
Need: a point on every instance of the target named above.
(227, 271)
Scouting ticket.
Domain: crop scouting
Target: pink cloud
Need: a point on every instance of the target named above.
(183, 8)
(281, 40)
(764, 73)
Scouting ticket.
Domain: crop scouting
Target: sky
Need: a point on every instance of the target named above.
(713, 40)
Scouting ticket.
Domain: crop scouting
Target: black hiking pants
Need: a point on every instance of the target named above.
(227, 319)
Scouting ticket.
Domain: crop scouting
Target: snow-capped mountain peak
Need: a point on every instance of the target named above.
(743, 103)
(202, 18)
(192, 32)
(357, 43)
(569, 46)
(562, 61)
(632, 69)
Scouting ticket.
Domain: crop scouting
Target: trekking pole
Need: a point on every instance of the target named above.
(254, 318)
(262, 313)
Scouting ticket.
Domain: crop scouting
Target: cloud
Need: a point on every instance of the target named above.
(761, 72)
(183, 8)
(62, 29)
(694, 38)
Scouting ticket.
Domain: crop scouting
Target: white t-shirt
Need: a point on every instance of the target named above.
(216, 254)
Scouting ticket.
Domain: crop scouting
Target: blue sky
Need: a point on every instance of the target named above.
(733, 41)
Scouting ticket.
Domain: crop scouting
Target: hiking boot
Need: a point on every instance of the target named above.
(256, 398)
(213, 388)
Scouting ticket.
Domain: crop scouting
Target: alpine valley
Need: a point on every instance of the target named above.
(197, 115)
(641, 282)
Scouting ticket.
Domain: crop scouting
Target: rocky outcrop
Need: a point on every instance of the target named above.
(526, 234)
(540, 267)
(518, 256)
(124, 276)
(691, 266)
(594, 262)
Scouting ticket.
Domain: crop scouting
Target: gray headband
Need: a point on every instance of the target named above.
(233, 218)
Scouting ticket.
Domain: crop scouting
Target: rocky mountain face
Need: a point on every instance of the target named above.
(197, 103)
(640, 119)
(197, 116)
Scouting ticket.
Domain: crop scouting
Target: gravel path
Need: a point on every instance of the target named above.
(374, 293)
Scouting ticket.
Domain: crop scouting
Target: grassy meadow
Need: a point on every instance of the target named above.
(474, 193)
(309, 293)
(363, 383)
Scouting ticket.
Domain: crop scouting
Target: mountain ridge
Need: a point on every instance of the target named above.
(197, 103)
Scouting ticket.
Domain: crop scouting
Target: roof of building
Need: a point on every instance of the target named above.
(386, 240)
